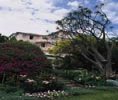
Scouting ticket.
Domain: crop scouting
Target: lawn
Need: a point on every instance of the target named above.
(100, 93)
(94, 94)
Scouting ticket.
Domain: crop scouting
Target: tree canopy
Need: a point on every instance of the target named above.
(3, 38)
(91, 26)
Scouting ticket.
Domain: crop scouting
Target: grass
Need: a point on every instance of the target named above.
(101, 93)
(14, 96)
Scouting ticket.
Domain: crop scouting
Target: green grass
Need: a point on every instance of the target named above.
(14, 96)
(101, 93)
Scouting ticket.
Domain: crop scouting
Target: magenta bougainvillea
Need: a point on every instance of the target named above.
(21, 58)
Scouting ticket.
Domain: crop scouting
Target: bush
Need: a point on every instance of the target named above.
(10, 89)
(81, 76)
(20, 58)
(43, 83)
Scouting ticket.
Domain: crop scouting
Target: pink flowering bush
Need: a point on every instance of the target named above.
(20, 58)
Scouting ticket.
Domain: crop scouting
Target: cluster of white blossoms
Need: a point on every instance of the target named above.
(49, 94)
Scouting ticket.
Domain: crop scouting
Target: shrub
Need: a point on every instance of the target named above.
(10, 89)
(43, 83)
(20, 58)
(81, 76)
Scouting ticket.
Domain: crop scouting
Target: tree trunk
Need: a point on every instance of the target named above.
(100, 67)
(108, 66)
(108, 70)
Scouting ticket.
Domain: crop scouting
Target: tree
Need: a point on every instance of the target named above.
(72, 59)
(62, 46)
(91, 26)
(3, 38)
(115, 54)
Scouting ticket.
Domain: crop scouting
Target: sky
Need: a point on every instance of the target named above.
(39, 16)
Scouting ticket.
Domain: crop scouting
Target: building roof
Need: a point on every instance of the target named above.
(24, 33)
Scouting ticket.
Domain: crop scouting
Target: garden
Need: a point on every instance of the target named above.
(87, 71)
(26, 75)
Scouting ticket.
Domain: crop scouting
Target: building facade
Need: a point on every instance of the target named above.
(45, 42)
(41, 41)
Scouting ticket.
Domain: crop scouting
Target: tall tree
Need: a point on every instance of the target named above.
(91, 26)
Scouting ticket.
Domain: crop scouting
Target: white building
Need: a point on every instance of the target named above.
(45, 42)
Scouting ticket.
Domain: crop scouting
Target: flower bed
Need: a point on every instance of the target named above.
(48, 95)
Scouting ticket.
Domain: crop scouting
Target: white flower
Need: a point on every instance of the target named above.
(53, 77)
(80, 79)
(46, 82)
(30, 80)
(23, 76)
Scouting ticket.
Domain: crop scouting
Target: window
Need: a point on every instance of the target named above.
(31, 37)
(44, 37)
(43, 45)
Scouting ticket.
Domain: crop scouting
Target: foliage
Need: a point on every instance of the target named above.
(91, 26)
(20, 58)
(72, 59)
(3, 38)
(61, 47)
(115, 54)
(42, 83)
(82, 77)
(12, 39)
(24, 65)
